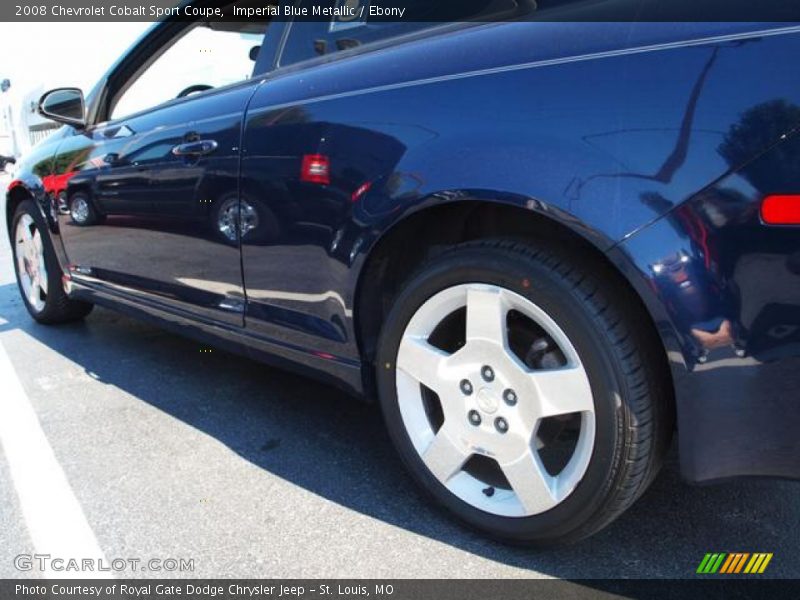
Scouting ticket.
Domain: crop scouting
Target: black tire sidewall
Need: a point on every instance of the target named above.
(557, 299)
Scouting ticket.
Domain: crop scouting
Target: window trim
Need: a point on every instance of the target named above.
(391, 41)
(136, 63)
(139, 71)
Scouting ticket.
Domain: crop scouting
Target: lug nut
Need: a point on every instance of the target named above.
(510, 396)
(501, 424)
(487, 373)
(466, 386)
(474, 417)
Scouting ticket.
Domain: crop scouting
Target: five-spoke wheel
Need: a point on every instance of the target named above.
(515, 385)
(31, 265)
(38, 271)
(492, 403)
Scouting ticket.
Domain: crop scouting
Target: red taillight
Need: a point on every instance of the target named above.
(316, 169)
(781, 210)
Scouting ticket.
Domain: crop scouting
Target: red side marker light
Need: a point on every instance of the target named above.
(316, 168)
(781, 210)
(362, 189)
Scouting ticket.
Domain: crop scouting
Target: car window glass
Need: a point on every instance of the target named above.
(358, 23)
(203, 58)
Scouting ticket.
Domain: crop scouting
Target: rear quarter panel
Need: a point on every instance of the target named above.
(727, 289)
(607, 128)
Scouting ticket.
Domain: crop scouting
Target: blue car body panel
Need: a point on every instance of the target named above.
(727, 289)
(654, 142)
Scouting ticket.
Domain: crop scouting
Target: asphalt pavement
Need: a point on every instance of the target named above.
(249, 471)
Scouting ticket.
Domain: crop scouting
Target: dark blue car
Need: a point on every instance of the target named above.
(542, 247)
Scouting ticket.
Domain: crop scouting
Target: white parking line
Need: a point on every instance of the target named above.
(54, 518)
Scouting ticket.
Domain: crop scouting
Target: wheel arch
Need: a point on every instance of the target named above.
(391, 259)
(32, 189)
(17, 193)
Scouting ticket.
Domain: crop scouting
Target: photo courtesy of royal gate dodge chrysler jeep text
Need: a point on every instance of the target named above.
(543, 247)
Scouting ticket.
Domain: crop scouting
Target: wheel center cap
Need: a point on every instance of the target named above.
(486, 401)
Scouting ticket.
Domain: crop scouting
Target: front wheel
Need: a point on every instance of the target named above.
(519, 395)
(38, 272)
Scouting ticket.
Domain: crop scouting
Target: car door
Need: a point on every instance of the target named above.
(156, 235)
(306, 171)
(124, 186)
(158, 180)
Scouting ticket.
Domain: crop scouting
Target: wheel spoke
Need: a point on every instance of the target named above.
(41, 279)
(37, 242)
(25, 226)
(486, 315)
(21, 256)
(562, 391)
(443, 457)
(34, 294)
(421, 361)
(40, 264)
(531, 483)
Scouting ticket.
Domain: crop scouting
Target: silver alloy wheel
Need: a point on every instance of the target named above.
(235, 217)
(79, 209)
(30, 262)
(479, 417)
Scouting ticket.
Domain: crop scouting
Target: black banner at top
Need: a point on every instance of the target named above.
(408, 11)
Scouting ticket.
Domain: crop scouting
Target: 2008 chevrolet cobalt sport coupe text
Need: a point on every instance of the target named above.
(542, 246)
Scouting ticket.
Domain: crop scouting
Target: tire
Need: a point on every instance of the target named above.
(82, 211)
(565, 327)
(43, 294)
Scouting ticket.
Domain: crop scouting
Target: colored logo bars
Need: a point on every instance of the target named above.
(736, 562)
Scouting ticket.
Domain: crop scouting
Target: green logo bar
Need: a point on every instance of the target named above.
(711, 562)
